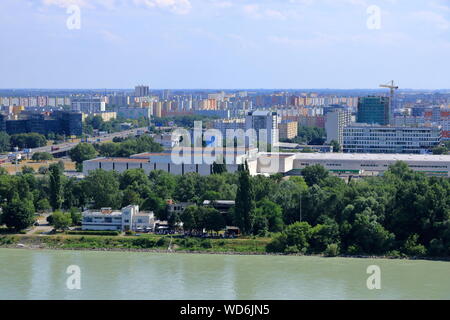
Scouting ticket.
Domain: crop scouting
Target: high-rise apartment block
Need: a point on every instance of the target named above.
(288, 129)
(89, 104)
(263, 120)
(141, 91)
(335, 122)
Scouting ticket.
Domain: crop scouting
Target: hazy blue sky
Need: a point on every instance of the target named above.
(224, 44)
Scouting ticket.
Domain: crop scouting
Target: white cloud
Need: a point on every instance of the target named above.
(431, 17)
(222, 4)
(254, 11)
(175, 6)
(65, 3)
(111, 37)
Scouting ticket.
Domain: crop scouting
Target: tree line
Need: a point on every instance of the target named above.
(400, 213)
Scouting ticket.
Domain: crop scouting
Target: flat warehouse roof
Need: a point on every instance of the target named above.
(373, 157)
(118, 160)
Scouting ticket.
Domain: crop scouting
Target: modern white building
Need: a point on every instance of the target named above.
(178, 162)
(129, 218)
(335, 122)
(361, 138)
(288, 163)
(263, 120)
(88, 104)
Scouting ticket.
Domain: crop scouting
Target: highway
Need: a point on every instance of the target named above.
(66, 146)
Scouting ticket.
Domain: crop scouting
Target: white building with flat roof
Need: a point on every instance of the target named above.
(88, 104)
(361, 138)
(129, 218)
(260, 120)
(288, 163)
(335, 122)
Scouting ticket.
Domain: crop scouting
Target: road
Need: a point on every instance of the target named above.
(66, 146)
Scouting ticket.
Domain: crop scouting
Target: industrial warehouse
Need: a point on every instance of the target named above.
(271, 163)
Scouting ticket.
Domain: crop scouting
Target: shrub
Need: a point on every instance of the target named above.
(413, 248)
(278, 244)
(332, 250)
(190, 242)
(206, 243)
(353, 249)
(437, 248)
(144, 243)
(292, 250)
(161, 242)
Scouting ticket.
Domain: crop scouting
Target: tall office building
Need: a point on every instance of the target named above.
(263, 120)
(335, 122)
(141, 91)
(374, 110)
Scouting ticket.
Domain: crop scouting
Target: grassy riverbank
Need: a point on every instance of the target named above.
(159, 243)
(132, 243)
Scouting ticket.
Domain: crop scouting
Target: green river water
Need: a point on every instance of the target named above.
(41, 274)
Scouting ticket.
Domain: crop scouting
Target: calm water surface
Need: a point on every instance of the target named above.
(39, 274)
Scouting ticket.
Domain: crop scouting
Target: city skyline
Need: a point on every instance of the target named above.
(194, 44)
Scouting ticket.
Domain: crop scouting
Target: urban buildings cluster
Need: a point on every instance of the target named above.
(358, 120)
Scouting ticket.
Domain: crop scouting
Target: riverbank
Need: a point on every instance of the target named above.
(163, 244)
(144, 243)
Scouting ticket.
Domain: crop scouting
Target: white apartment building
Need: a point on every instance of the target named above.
(129, 218)
(335, 122)
(361, 138)
(88, 104)
(263, 120)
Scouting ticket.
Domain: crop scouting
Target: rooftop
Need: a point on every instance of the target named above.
(373, 156)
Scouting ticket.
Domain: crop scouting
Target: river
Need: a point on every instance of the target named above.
(41, 274)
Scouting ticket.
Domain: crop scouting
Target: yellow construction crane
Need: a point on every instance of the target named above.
(392, 87)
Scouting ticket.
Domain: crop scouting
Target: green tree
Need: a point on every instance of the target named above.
(103, 188)
(272, 213)
(213, 219)
(41, 156)
(56, 187)
(219, 168)
(295, 239)
(5, 142)
(61, 220)
(82, 152)
(314, 174)
(245, 201)
(43, 205)
(336, 146)
(27, 170)
(28, 140)
(18, 214)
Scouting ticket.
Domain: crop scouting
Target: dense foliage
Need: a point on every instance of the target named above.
(128, 146)
(309, 135)
(402, 212)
